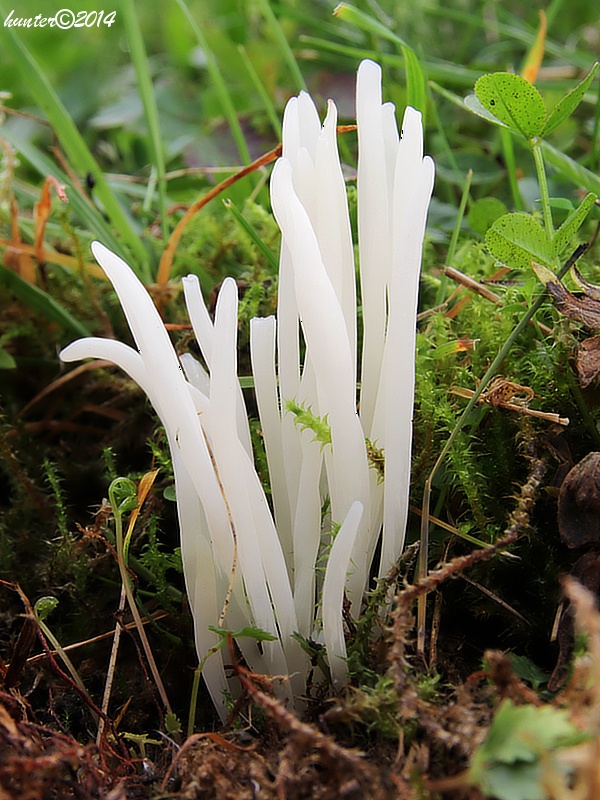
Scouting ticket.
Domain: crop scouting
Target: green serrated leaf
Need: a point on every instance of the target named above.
(514, 101)
(567, 105)
(306, 419)
(571, 225)
(172, 723)
(535, 729)
(484, 212)
(527, 669)
(517, 239)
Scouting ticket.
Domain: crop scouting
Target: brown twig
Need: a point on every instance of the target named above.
(166, 261)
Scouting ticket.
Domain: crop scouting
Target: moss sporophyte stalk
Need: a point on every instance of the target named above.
(248, 566)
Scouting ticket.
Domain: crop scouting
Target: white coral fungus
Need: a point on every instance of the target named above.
(223, 509)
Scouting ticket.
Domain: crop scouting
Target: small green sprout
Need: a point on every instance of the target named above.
(306, 419)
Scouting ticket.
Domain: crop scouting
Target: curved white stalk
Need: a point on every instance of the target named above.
(374, 236)
(333, 594)
(260, 554)
(307, 534)
(332, 225)
(204, 588)
(399, 366)
(262, 353)
(392, 425)
(200, 380)
(203, 330)
(330, 353)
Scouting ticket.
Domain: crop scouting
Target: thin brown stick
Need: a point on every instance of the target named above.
(473, 285)
(157, 615)
(166, 261)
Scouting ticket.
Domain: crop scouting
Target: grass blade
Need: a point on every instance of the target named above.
(570, 169)
(40, 302)
(284, 47)
(89, 214)
(438, 70)
(415, 80)
(71, 140)
(274, 117)
(271, 258)
(220, 86)
(144, 80)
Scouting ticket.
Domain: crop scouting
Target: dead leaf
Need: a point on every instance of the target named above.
(588, 361)
(590, 289)
(41, 213)
(579, 504)
(580, 309)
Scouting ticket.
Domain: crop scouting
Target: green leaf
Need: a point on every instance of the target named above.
(514, 101)
(517, 239)
(140, 62)
(416, 85)
(172, 723)
(454, 167)
(40, 302)
(241, 220)
(520, 781)
(280, 38)
(509, 764)
(528, 670)
(219, 83)
(531, 730)
(567, 105)
(349, 13)
(484, 212)
(170, 494)
(571, 225)
(562, 203)
(6, 360)
(476, 107)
